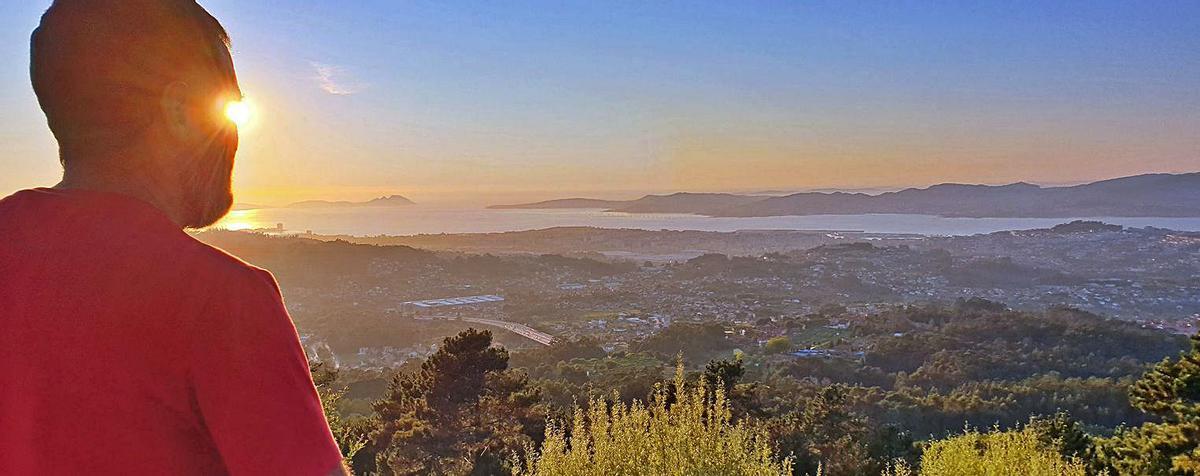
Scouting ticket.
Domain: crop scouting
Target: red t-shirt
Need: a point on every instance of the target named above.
(128, 347)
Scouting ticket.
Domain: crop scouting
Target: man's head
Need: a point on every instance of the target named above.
(135, 90)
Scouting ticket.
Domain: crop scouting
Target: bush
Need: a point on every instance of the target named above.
(1014, 452)
(692, 435)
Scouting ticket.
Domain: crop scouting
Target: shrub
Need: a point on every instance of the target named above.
(1014, 452)
(693, 434)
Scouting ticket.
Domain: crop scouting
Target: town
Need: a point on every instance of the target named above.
(354, 300)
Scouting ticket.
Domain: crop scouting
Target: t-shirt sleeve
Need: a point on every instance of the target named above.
(252, 384)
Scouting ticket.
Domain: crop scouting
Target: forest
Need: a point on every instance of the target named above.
(940, 389)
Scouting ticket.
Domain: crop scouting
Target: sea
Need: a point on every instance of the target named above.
(429, 219)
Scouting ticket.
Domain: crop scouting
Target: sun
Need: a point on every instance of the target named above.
(239, 112)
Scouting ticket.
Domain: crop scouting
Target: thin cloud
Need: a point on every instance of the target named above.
(334, 80)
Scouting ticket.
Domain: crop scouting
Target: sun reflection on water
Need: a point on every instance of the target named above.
(240, 220)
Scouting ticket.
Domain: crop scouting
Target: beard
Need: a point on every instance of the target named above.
(208, 186)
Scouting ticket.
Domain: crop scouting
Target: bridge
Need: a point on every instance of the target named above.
(519, 329)
(430, 310)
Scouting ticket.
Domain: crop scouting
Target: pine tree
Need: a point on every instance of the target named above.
(463, 412)
(1170, 391)
(350, 437)
(827, 434)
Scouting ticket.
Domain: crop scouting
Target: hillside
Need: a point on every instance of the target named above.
(564, 203)
(697, 203)
(1142, 195)
(1158, 195)
(388, 201)
(682, 202)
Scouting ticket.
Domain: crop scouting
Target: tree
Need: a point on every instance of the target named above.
(696, 342)
(778, 345)
(1170, 391)
(695, 435)
(463, 412)
(723, 374)
(726, 376)
(561, 350)
(351, 436)
(827, 436)
(1065, 433)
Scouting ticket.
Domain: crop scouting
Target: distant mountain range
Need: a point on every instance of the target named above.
(1158, 195)
(388, 201)
(566, 203)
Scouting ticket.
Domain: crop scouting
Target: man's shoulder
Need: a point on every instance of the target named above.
(237, 289)
(220, 264)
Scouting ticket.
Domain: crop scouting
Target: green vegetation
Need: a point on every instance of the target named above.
(461, 412)
(1014, 452)
(349, 438)
(879, 385)
(778, 345)
(827, 436)
(1170, 446)
(680, 432)
(815, 336)
(697, 343)
(897, 407)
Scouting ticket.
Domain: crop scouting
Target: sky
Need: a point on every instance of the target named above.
(486, 102)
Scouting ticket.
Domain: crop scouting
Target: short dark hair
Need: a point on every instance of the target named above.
(99, 67)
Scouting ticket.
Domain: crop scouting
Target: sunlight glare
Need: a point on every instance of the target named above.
(239, 112)
(238, 220)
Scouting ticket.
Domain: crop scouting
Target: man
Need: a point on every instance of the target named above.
(126, 346)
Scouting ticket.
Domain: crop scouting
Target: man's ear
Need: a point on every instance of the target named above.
(174, 105)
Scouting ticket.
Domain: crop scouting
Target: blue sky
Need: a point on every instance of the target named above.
(444, 100)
